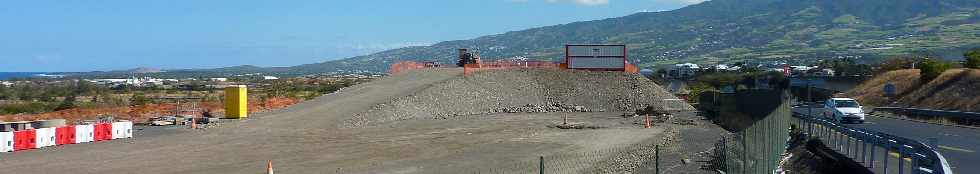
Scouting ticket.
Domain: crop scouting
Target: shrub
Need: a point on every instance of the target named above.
(972, 59)
(932, 68)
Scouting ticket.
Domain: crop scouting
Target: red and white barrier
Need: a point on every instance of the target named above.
(65, 135)
(44, 137)
(25, 139)
(117, 130)
(83, 133)
(6, 141)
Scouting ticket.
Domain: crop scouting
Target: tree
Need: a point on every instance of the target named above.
(972, 59)
(68, 103)
(932, 68)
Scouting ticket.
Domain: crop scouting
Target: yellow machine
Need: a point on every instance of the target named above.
(236, 102)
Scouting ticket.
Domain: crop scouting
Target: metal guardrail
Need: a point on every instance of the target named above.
(930, 112)
(923, 158)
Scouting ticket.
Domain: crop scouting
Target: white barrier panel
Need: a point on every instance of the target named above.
(44, 137)
(7, 140)
(83, 133)
(127, 129)
(117, 130)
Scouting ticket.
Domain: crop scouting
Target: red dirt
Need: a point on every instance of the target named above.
(141, 113)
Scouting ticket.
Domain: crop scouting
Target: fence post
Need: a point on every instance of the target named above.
(541, 165)
(656, 158)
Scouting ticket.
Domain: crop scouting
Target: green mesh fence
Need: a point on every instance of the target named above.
(759, 136)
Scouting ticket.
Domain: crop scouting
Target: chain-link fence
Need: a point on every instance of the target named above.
(759, 120)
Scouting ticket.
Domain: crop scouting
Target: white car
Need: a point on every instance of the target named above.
(844, 110)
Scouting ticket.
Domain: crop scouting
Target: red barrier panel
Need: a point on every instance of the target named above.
(65, 135)
(103, 131)
(24, 140)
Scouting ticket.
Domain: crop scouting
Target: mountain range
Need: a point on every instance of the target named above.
(717, 31)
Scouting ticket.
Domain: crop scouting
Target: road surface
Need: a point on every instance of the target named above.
(959, 145)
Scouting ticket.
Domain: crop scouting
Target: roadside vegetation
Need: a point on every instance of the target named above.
(28, 99)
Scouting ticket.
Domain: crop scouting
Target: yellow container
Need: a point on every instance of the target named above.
(236, 102)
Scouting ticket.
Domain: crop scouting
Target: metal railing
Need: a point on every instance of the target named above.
(897, 154)
(930, 112)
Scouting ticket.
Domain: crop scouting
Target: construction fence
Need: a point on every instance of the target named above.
(759, 121)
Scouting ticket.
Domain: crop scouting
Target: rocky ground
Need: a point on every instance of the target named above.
(403, 124)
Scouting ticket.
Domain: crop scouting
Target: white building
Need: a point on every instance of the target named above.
(684, 70)
(270, 78)
(6, 84)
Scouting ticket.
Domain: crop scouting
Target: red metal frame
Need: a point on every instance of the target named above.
(625, 57)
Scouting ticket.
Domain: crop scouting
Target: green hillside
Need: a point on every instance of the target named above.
(722, 31)
(731, 30)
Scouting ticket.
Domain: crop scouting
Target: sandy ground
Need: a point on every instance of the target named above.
(308, 138)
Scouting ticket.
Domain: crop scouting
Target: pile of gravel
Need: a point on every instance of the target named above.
(525, 91)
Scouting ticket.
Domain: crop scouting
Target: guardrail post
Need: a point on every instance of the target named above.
(847, 145)
(884, 159)
(874, 143)
(809, 126)
(915, 163)
(864, 150)
(901, 158)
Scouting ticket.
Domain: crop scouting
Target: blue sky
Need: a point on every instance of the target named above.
(75, 35)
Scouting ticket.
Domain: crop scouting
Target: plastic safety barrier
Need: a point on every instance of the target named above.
(45, 137)
(127, 129)
(117, 130)
(24, 139)
(102, 131)
(83, 133)
(6, 141)
(65, 135)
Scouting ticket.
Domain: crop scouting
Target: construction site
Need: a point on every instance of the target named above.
(482, 117)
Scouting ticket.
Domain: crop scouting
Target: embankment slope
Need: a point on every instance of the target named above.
(956, 89)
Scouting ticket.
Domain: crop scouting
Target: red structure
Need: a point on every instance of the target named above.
(598, 58)
(64, 135)
(24, 140)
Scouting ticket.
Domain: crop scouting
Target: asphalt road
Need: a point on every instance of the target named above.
(959, 145)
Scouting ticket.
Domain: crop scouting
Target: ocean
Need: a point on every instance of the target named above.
(8, 75)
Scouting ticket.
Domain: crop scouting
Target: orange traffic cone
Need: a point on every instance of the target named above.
(647, 126)
(269, 168)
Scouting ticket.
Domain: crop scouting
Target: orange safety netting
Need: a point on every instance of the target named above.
(630, 68)
(408, 65)
(469, 68)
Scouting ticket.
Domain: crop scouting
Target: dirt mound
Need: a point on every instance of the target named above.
(525, 91)
(871, 92)
(953, 90)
